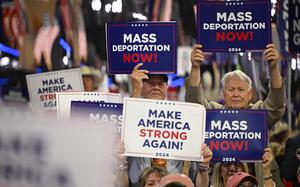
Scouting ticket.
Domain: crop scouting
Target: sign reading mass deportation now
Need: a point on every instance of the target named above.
(163, 129)
(151, 43)
(233, 26)
(235, 135)
(101, 113)
(43, 87)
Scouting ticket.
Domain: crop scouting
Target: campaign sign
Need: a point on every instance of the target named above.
(283, 26)
(233, 26)
(64, 100)
(150, 43)
(236, 135)
(43, 87)
(163, 129)
(294, 26)
(101, 113)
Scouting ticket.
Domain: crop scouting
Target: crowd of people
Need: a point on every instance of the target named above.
(39, 45)
(237, 93)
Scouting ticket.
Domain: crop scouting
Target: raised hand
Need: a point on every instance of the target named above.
(266, 161)
(271, 55)
(206, 153)
(197, 56)
(137, 77)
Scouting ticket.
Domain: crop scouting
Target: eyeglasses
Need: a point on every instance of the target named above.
(237, 165)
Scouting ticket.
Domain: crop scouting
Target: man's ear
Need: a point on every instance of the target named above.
(223, 92)
(251, 94)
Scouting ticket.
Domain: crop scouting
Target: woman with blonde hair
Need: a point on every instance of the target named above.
(151, 176)
(223, 171)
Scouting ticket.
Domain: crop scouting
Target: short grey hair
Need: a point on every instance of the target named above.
(237, 73)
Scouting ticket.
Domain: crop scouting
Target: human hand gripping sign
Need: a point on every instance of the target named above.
(137, 77)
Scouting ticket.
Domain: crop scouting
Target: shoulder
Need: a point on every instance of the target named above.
(215, 105)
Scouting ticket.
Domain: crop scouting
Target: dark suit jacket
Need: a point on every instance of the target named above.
(291, 163)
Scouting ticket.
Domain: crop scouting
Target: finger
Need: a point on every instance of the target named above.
(142, 77)
(198, 54)
(198, 59)
(269, 55)
(202, 147)
(198, 51)
(270, 59)
(143, 71)
(270, 46)
(197, 46)
(137, 67)
(268, 51)
(207, 153)
(208, 157)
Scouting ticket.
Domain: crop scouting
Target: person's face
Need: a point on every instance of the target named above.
(229, 169)
(88, 83)
(152, 180)
(154, 88)
(247, 184)
(236, 93)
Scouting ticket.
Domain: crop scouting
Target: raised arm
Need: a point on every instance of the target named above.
(274, 103)
(271, 56)
(137, 77)
(202, 178)
(194, 93)
(266, 162)
(197, 57)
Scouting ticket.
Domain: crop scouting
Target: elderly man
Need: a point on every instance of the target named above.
(237, 91)
(237, 88)
(154, 86)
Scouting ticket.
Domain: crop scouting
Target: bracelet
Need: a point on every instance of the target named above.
(269, 177)
(202, 167)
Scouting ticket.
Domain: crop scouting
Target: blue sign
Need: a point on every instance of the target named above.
(283, 26)
(236, 135)
(233, 26)
(294, 26)
(150, 43)
(98, 112)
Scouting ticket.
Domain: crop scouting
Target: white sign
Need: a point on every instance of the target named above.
(163, 129)
(55, 155)
(64, 100)
(43, 86)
